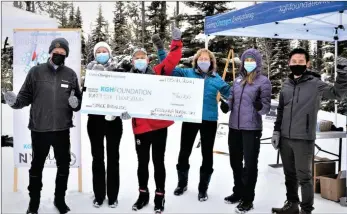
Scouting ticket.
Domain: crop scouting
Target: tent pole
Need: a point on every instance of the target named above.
(335, 101)
(206, 41)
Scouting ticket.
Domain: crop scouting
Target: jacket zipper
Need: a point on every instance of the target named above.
(238, 123)
(297, 99)
(54, 99)
(307, 122)
(291, 110)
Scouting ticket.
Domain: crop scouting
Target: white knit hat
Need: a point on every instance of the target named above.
(102, 44)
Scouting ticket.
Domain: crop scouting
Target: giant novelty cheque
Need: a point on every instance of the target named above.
(143, 96)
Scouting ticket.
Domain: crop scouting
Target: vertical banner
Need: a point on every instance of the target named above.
(30, 48)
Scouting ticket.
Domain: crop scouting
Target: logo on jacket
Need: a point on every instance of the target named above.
(138, 142)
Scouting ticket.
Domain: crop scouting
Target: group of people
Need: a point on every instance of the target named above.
(248, 98)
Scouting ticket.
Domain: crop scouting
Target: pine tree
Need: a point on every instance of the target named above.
(61, 9)
(98, 34)
(279, 66)
(71, 21)
(121, 31)
(135, 21)
(78, 23)
(266, 46)
(6, 68)
(304, 44)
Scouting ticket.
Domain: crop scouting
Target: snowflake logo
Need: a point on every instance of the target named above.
(41, 57)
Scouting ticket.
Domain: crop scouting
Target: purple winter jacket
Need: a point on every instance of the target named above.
(243, 115)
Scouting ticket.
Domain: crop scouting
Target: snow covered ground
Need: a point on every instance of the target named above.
(270, 190)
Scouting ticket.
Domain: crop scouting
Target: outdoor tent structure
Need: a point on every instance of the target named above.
(15, 18)
(325, 21)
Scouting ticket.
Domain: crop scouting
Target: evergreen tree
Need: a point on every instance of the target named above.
(121, 31)
(266, 46)
(71, 21)
(78, 23)
(6, 68)
(158, 19)
(304, 44)
(98, 34)
(279, 66)
(61, 9)
(135, 22)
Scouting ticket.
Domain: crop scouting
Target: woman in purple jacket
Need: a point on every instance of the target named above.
(251, 98)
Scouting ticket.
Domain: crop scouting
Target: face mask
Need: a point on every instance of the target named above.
(250, 66)
(58, 59)
(204, 66)
(297, 70)
(141, 64)
(102, 58)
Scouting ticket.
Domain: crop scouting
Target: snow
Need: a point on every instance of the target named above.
(270, 190)
(328, 55)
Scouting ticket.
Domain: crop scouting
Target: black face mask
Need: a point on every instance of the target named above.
(298, 70)
(58, 59)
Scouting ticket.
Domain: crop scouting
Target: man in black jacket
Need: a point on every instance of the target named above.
(295, 126)
(53, 92)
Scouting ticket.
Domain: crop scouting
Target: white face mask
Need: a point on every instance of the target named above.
(204, 65)
(141, 64)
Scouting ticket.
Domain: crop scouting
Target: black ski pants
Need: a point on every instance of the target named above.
(189, 131)
(143, 144)
(244, 145)
(41, 143)
(99, 128)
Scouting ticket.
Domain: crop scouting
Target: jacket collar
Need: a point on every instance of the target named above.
(50, 65)
(201, 73)
(149, 70)
(307, 75)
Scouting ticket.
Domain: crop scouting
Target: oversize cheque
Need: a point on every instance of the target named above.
(143, 96)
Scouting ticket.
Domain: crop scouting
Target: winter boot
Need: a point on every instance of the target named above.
(305, 212)
(232, 199)
(288, 208)
(33, 206)
(159, 202)
(61, 206)
(203, 185)
(142, 200)
(98, 202)
(35, 186)
(182, 182)
(244, 207)
(113, 204)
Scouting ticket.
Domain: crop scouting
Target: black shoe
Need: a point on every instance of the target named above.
(142, 200)
(182, 182)
(244, 207)
(304, 212)
(202, 196)
(232, 199)
(98, 203)
(288, 208)
(159, 202)
(33, 206)
(113, 204)
(61, 206)
(31, 212)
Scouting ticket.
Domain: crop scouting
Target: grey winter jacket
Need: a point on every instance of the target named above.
(47, 91)
(300, 101)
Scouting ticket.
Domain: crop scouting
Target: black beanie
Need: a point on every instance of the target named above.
(60, 43)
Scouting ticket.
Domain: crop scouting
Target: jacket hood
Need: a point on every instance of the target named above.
(257, 56)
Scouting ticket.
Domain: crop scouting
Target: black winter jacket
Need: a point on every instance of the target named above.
(47, 91)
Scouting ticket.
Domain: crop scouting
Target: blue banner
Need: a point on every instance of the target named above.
(269, 12)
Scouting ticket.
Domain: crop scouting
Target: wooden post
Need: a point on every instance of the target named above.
(15, 180)
(225, 70)
(80, 179)
(232, 55)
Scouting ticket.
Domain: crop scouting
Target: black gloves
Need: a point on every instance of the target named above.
(224, 106)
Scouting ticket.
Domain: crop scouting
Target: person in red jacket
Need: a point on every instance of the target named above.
(150, 132)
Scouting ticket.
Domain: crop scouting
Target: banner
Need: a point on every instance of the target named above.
(143, 96)
(30, 48)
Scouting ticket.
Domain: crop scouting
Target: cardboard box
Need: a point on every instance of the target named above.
(326, 168)
(333, 187)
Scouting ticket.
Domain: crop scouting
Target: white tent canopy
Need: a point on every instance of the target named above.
(14, 18)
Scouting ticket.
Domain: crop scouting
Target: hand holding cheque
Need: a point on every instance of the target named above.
(145, 96)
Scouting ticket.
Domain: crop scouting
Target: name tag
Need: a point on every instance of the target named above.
(64, 85)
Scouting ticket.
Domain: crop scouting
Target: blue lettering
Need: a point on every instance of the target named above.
(27, 146)
(107, 89)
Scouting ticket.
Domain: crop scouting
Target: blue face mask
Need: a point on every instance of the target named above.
(102, 58)
(250, 66)
(141, 64)
(204, 66)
